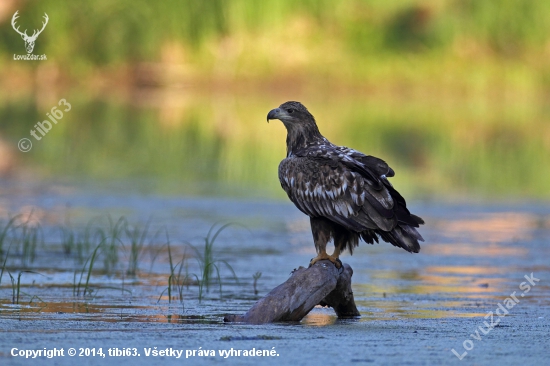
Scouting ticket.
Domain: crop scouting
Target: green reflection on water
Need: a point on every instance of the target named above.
(221, 144)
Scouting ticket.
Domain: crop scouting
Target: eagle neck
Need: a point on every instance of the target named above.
(301, 136)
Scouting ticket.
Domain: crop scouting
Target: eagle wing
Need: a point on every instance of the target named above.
(351, 189)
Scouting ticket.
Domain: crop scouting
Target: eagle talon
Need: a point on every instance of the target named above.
(335, 260)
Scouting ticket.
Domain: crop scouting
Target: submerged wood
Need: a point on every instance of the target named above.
(321, 284)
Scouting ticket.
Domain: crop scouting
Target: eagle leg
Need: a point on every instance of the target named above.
(322, 230)
(336, 256)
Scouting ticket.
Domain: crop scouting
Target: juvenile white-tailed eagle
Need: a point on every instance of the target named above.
(345, 193)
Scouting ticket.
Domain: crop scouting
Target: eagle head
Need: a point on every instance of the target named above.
(300, 125)
(291, 113)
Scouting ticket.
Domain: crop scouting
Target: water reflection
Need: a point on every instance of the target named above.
(78, 310)
(493, 228)
(219, 144)
(320, 317)
(474, 250)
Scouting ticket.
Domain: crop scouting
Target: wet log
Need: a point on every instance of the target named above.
(321, 284)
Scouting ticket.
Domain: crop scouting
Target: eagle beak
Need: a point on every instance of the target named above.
(274, 114)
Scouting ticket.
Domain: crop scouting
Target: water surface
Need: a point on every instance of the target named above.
(162, 174)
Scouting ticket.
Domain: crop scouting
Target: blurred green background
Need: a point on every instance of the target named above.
(171, 97)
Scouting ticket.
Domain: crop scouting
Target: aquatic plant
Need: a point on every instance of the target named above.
(256, 276)
(16, 288)
(137, 238)
(113, 236)
(29, 239)
(4, 264)
(106, 242)
(176, 279)
(23, 236)
(87, 268)
(208, 263)
(4, 232)
(209, 268)
(68, 239)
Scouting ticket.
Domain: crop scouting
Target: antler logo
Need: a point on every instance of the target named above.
(29, 40)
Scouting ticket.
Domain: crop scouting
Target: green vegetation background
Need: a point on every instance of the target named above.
(258, 38)
(453, 93)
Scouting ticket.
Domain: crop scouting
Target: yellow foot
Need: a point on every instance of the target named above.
(321, 256)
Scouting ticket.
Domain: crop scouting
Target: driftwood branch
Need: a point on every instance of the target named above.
(321, 284)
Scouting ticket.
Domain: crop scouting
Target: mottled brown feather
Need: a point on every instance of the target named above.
(347, 192)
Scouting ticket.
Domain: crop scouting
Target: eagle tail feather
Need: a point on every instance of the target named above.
(418, 219)
(403, 236)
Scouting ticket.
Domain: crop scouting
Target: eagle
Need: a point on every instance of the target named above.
(345, 193)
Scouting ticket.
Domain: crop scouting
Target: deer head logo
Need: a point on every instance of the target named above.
(29, 40)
